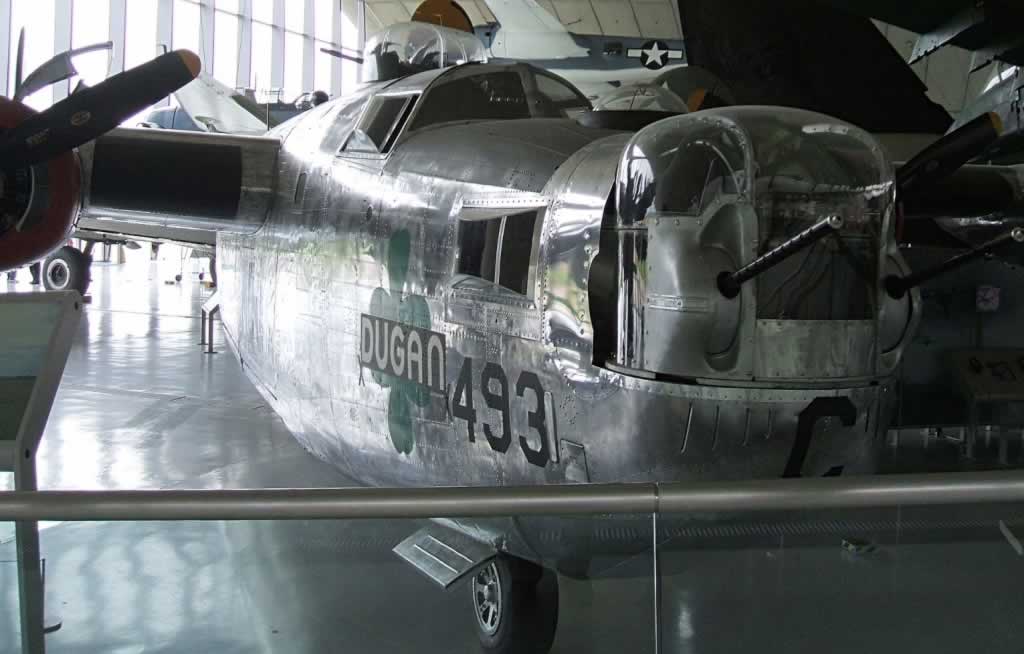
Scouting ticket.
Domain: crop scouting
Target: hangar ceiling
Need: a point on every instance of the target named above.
(653, 18)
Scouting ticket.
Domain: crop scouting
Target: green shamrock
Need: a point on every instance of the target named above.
(393, 305)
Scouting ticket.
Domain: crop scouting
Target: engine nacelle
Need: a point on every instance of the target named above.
(703, 195)
(38, 204)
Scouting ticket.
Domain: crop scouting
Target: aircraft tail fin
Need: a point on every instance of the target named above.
(529, 31)
(524, 16)
(217, 108)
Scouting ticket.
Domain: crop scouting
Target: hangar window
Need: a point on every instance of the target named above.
(499, 250)
(380, 124)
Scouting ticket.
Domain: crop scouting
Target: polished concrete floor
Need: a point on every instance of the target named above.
(142, 407)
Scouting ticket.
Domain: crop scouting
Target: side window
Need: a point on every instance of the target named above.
(499, 250)
(517, 252)
(478, 247)
(380, 125)
(342, 121)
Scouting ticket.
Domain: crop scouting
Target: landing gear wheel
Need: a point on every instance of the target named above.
(516, 607)
(67, 269)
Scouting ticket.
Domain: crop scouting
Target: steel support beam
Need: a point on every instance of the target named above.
(207, 36)
(277, 46)
(309, 47)
(118, 33)
(62, 18)
(243, 77)
(164, 31)
(6, 85)
(337, 37)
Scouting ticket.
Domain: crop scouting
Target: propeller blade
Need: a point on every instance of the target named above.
(949, 153)
(57, 69)
(19, 62)
(92, 112)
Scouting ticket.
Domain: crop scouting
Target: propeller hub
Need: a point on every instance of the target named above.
(16, 185)
(16, 181)
(40, 176)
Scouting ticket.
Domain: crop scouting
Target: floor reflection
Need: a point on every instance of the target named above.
(142, 407)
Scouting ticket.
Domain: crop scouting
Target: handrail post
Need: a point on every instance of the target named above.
(211, 308)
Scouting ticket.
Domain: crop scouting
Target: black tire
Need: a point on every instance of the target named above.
(526, 616)
(67, 269)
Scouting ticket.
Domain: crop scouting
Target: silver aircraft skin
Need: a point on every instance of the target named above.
(492, 294)
(348, 310)
(450, 280)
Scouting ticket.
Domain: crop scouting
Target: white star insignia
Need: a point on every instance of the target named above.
(654, 53)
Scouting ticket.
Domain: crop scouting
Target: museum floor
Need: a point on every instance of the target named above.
(142, 408)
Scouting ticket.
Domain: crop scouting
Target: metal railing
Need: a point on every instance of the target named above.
(590, 499)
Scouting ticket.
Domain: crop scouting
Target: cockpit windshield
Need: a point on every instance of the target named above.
(408, 48)
(504, 93)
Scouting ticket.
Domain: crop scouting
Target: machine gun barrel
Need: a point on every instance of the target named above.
(897, 286)
(729, 283)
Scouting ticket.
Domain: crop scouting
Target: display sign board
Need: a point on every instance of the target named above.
(35, 337)
(991, 375)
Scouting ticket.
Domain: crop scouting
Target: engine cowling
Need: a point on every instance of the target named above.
(38, 204)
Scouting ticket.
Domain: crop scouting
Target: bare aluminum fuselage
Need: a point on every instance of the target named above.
(361, 242)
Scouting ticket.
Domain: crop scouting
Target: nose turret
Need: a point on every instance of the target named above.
(751, 245)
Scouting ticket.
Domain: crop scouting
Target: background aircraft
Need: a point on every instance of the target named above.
(595, 64)
(40, 176)
(526, 32)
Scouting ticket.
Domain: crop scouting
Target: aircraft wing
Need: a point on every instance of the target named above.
(990, 28)
(206, 182)
(220, 109)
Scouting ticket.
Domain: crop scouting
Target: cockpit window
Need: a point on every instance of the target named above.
(491, 96)
(518, 92)
(380, 124)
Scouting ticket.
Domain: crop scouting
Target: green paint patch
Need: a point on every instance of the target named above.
(392, 304)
